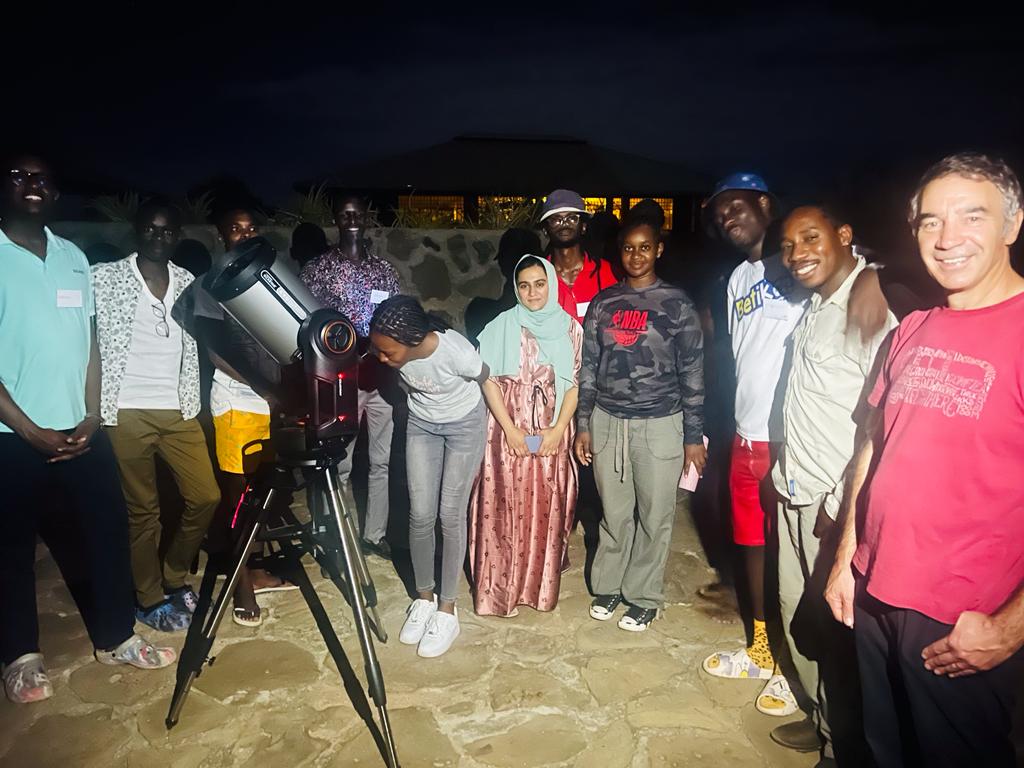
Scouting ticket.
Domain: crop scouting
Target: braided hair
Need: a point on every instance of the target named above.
(403, 319)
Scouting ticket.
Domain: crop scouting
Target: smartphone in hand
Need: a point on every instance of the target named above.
(533, 442)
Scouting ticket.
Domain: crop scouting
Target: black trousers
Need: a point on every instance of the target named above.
(913, 717)
(91, 527)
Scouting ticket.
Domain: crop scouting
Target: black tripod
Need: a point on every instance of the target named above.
(330, 537)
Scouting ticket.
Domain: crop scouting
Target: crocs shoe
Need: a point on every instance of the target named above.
(25, 679)
(417, 617)
(137, 652)
(776, 698)
(736, 665)
(165, 617)
(184, 599)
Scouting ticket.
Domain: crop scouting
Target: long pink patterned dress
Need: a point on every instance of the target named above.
(521, 509)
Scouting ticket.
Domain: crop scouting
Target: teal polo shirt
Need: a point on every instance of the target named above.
(46, 310)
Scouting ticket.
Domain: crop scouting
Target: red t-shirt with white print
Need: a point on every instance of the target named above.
(944, 525)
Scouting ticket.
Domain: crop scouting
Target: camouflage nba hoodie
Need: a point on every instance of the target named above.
(643, 357)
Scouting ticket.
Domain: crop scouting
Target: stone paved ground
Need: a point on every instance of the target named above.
(554, 689)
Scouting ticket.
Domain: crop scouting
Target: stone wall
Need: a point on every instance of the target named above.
(444, 268)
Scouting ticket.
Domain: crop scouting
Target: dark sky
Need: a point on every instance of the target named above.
(163, 96)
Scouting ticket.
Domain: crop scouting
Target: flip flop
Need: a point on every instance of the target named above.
(284, 586)
(239, 616)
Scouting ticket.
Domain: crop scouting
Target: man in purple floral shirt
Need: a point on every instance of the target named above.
(352, 280)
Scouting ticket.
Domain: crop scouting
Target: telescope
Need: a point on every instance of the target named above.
(316, 420)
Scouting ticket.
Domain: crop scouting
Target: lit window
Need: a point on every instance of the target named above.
(664, 202)
(431, 210)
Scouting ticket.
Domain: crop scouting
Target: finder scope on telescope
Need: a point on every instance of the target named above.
(270, 302)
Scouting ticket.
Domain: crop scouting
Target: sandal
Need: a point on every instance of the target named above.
(735, 665)
(776, 698)
(284, 586)
(245, 617)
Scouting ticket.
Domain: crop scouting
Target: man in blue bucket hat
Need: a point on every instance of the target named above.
(764, 305)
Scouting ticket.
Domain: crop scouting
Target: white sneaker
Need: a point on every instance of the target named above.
(441, 632)
(417, 616)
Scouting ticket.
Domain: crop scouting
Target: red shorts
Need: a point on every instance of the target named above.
(750, 465)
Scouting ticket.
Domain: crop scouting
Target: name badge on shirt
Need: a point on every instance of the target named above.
(581, 308)
(376, 296)
(67, 297)
(777, 310)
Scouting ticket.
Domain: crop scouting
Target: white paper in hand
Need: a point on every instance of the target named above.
(688, 480)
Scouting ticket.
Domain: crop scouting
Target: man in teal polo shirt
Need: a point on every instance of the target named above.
(49, 417)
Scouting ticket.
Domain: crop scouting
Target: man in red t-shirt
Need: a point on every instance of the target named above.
(580, 278)
(933, 588)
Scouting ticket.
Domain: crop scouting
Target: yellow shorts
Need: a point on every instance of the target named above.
(233, 430)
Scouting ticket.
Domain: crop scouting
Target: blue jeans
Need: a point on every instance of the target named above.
(443, 461)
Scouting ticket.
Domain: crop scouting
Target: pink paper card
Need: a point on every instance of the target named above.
(688, 480)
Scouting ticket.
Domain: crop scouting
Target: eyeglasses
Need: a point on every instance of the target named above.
(20, 177)
(160, 312)
(565, 218)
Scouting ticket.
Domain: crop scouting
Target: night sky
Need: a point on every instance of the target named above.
(162, 97)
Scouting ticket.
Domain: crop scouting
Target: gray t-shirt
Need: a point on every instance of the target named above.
(441, 387)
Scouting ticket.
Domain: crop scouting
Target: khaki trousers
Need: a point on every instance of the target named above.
(637, 463)
(141, 435)
(822, 649)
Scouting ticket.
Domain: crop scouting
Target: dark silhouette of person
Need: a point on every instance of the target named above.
(103, 253)
(192, 255)
(514, 244)
(308, 242)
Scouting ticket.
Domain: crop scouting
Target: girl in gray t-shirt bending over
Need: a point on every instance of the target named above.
(444, 448)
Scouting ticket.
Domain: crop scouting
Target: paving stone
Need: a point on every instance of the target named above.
(200, 714)
(62, 636)
(684, 750)
(285, 742)
(257, 665)
(543, 740)
(420, 743)
(683, 707)
(60, 741)
(757, 728)
(606, 636)
(543, 689)
(16, 719)
(613, 748)
(728, 693)
(529, 647)
(100, 684)
(404, 670)
(620, 677)
(517, 687)
(182, 756)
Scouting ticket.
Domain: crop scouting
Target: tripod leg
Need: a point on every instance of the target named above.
(351, 552)
(203, 629)
(292, 567)
(366, 581)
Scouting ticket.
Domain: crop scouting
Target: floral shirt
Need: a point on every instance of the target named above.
(117, 292)
(354, 288)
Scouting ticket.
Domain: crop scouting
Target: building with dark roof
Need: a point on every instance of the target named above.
(471, 175)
